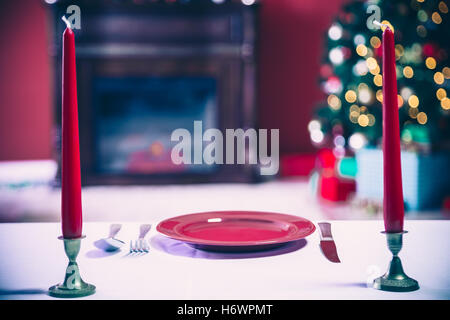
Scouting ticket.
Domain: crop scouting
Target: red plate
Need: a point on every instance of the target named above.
(236, 230)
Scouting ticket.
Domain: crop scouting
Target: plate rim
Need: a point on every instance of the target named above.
(197, 241)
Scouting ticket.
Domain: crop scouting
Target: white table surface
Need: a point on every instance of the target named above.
(32, 259)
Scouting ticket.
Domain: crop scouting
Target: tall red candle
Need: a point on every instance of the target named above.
(393, 209)
(71, 214)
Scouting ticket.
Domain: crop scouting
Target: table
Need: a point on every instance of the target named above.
(33, 260)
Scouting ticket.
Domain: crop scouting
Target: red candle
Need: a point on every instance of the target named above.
(393, 210)
(71, 215)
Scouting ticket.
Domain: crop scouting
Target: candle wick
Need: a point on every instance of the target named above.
(66, 22)
(377, 23)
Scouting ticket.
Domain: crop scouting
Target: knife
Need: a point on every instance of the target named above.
(327, 244)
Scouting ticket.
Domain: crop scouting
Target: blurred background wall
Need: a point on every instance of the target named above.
(25, 88)
(289, 56)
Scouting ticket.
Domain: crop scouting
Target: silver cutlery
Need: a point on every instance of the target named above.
(327, 244)
(110, 243)
(141, 245)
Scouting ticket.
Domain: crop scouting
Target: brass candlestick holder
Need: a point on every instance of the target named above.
(395, 278)
(73, 286)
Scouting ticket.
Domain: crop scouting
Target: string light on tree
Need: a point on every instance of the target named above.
(350, 96)
(372, 120)
(446, 72)
(379, 95)
(408, 72)
(406, 92)
(422, 118)
(317, 136)
(378, 80)
(436, 17)
(336, 56)
(441, 94)
(339, 141)
(335, 32)
(364, 95)
(334, 102)
(314, 125)
(438, 77)
(375, 71)
(430, 62)
(359, 39)
(413, 112)
(422, 16)
(413, 101)
(357, 141)
(361, 50)
(400, 101)
(375, 42)
(445, 103)
(360, 68)
(421, 31)
(363, 109)
(363, 120)
(399, 51)
(371, 63)
(333, 85)
(315, 131)
(443, 7)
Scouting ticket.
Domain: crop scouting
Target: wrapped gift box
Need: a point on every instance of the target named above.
(335, 188)
(426, 178)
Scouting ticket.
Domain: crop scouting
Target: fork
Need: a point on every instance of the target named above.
(141, 245)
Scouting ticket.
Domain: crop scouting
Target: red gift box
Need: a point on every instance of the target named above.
(334, 188)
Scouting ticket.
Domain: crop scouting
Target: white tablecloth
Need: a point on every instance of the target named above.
(32, 259)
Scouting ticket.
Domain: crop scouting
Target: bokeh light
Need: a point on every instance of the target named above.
(441, 93)
(363, 120)
(438, 77)
(399, 101)
(422, 118)
(436, 17)
(408, 72)
(335, 32)
(361, 50)
(350, 96)
(443, 7)
(379, 95)
(413, 101)
(421, 31)
(430, 62)
(357, 141)
(371, 63)
(413, 112)
(336, 56)
(375, 42)
(378, 80)
(446, 72)
(334, 102)
(445, 104)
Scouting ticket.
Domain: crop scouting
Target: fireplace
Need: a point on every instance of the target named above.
(146, 68)
(135, 119)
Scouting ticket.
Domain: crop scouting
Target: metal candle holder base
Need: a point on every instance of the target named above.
(73, 286)
(395, 278)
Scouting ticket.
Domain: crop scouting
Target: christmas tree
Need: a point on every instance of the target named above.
(351, 77)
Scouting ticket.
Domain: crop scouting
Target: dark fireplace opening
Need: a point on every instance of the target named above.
(135, 117)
